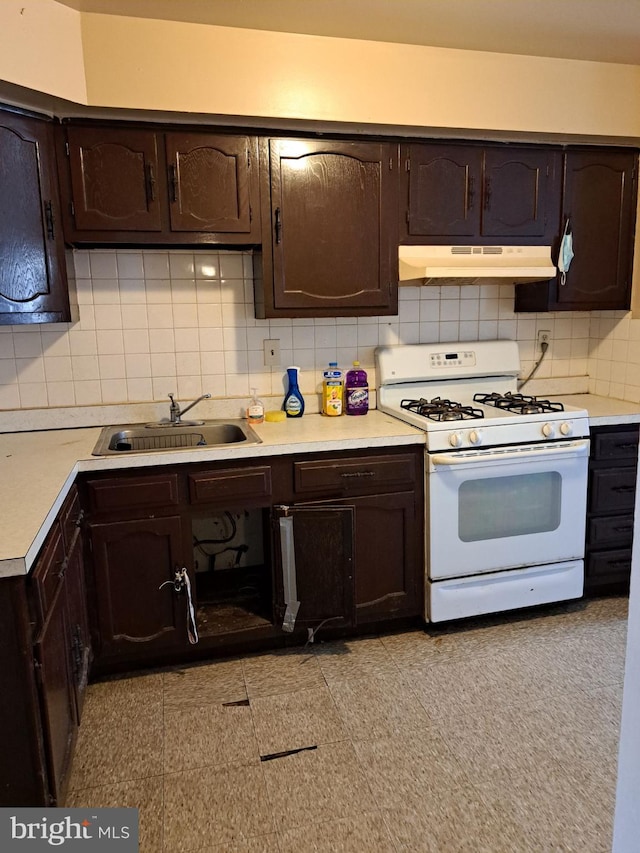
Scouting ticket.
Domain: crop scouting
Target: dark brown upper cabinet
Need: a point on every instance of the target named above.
(466, 193)
(599, 206)
(330, 239)
(33, 278)
(132, 185)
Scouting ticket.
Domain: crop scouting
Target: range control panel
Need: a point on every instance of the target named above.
(459, 358)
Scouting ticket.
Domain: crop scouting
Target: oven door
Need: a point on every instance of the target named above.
(503, 508)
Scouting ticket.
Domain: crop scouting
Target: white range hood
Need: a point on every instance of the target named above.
(432, 264)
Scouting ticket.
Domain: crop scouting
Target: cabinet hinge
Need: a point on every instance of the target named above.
(66, 149)
(407, 165)
(37, 668)
(250, 214)
(391, 164)
(248, 159)
(408, 217)
(72, 208)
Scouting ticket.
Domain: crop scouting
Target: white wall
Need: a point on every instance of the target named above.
(158, 321)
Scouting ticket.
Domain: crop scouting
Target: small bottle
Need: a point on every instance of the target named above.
(255, 409)
(293, 404)
(332, 390)
(356, 391)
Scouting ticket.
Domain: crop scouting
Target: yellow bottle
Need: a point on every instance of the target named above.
(332, 391)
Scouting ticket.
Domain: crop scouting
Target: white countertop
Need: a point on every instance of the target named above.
(37, 469)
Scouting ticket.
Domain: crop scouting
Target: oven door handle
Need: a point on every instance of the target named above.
(513, 454)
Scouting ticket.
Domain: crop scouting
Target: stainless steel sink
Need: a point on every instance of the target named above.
(153, 438)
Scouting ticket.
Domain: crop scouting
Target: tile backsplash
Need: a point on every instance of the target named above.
(153, 322)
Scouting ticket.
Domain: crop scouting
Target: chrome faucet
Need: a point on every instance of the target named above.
(176, 413)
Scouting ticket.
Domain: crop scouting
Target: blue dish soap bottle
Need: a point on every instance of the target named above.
(293, 403)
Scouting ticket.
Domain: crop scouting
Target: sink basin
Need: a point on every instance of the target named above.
(153, 438)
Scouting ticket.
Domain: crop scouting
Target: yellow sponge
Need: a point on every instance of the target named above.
(274, 416)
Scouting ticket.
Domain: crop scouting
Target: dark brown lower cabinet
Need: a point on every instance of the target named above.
(610, 508)
(137, 607)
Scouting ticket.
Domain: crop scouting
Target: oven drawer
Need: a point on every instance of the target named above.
(612, 489)
(353, 475)
(607, 567)
(610, 530)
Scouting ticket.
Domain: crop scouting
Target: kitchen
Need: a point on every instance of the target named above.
(599, 346)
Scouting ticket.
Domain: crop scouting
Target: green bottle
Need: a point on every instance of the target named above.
(293, 403)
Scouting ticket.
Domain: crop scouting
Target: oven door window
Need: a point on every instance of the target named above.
(500, 507)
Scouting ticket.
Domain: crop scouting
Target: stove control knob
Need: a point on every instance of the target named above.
(475, 436)
(455, 439)
(566, 428)
(548, 430)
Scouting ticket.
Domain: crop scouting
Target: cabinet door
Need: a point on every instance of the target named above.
(388, 556)
(333, 229)
(79, 635)
(314, 564)
(521, 195)
(599, 205)
(57, 695)
(444, 191)
(33, 283)
(131, 561)
(114, 179)
(209, 182)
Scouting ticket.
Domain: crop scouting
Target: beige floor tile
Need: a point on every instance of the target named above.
(378, 707)
(316, 785)
(455, 821)
(294, 720)
(118, 748)
(258, 844)
(357, 658)
(207, 684)
(366, 833)
(115, 698)
(146, 795)
(282, 672)
(408, 766)
(411, 647)
(215, 806)
(208, 735)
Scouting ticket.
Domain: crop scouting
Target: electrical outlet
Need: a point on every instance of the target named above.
(271, 352)
(544, 337)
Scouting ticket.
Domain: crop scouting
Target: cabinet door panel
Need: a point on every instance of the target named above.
(444, 190)
(599, 206)
(323, 552)
(517, 194)
(32, 267)
(131, 561)
(57, 696)
(209, 182)
(114, 174)
(332, 217)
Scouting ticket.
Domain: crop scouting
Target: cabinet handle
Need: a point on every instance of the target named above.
(627, 529)
(620, 564)
(173, 182)
(623, 489)
(631, 446)
(487, 193)
(278, 226)
(471, 193)
(48, 216)
(150, 184)
(347, 474)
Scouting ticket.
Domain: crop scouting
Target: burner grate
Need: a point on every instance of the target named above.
(439, 409)
(518, 403)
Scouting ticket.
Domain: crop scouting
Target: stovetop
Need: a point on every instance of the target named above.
(466, 395)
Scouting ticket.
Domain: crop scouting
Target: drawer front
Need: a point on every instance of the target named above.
(612, 489)
(117, 494)
(208, 487)
(70, 518)
(606, 567)
(46, 574)
(610, 531)
(353, 475)
(615, 445)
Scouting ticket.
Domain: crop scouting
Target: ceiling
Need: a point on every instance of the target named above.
(600, 30)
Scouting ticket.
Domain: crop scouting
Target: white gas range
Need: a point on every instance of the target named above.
(506, 477)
